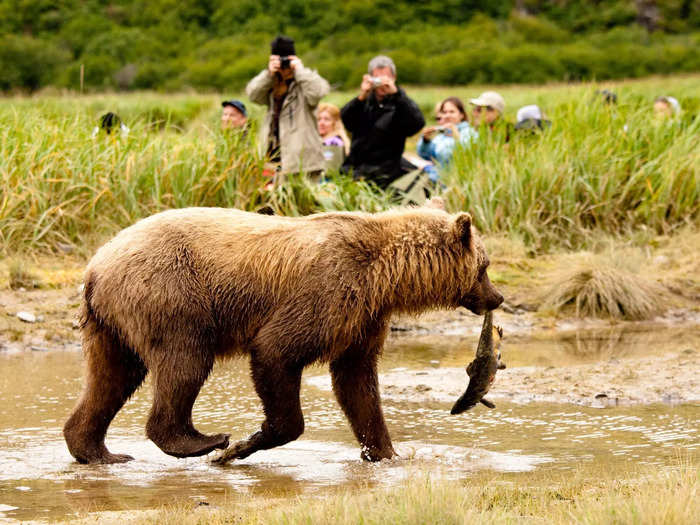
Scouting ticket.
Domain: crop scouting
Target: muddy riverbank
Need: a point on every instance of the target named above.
(45, 320)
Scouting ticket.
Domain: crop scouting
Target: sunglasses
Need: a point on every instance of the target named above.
(478, 109)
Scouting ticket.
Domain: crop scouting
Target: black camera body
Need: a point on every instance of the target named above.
(285, 62)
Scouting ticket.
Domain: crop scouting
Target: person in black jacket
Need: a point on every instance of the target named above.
(380, 119)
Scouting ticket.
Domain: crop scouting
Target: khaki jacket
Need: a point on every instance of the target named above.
(301, 148)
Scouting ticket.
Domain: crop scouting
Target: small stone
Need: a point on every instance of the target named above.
(64, 247)
(75, 324)
(81, 288)
(27, 317)
(433, 362)
(601, 396)
(38, 349)
(688, 351)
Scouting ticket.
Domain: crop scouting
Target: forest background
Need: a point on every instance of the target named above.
(218, 45)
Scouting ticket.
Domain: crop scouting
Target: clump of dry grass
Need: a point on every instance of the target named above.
(604, 290)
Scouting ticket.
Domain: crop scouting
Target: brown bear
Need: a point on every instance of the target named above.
(179, 289)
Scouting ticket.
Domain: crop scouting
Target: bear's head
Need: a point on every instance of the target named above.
(481, 295)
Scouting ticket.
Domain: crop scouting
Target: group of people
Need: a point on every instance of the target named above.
(366, 137)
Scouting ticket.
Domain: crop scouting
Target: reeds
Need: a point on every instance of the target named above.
(615, 170)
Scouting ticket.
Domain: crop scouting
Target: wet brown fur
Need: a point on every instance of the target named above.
(179, 289)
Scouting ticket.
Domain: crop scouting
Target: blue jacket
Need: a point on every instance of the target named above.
(441, 147)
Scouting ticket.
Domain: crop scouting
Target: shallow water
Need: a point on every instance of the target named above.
(39, 479)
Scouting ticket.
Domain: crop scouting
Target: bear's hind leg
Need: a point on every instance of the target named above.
(278, 384)
(113, 373)
(356, 387)
(178, 377)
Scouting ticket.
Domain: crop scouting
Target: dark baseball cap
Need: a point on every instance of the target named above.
(282, 46)
(240, 106)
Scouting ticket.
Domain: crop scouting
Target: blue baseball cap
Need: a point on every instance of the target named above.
(240, 106)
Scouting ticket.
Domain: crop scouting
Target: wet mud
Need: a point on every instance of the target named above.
(574, 392)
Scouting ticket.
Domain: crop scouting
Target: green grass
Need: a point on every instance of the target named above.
(59, 187)
(584, 496)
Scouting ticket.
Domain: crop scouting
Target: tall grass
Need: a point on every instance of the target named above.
(596, 168)
(58, 185)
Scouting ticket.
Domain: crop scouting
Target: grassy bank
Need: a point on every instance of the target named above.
(597, 169)
(638, 496)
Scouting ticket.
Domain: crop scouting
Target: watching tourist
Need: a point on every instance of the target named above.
(289, 134)
(666, 107)
(336, 143)
(234, 115)
(487, 112)
(438, 142)
(110, 123)
(531, 118)
(380, 119)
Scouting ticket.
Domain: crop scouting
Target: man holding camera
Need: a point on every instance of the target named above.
(380, 119)
(289, 134)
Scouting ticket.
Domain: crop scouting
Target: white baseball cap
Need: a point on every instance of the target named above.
(673, 102)
(531, 112)
(490, 98)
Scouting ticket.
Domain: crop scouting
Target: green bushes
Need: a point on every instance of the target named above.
(218, 45)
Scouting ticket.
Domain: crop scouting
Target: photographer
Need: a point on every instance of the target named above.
(380, 119)
(289, 134)
(438, 142)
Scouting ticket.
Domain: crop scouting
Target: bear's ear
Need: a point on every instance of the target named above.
(463, 229)
(436, 203)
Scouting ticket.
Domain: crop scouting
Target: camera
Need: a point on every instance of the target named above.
(441, 129)
(284, 62)
(376, 81)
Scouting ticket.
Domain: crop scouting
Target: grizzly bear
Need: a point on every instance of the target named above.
(184, 287)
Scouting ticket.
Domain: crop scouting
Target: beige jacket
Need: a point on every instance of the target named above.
(299, 139)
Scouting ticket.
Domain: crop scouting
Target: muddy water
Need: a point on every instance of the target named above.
(39, 480)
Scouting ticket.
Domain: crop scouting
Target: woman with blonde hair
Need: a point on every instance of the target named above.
(330, 127)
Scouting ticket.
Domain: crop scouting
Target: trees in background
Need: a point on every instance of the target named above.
(220, 44)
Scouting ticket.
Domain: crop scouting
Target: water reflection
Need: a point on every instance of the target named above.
(39, 480)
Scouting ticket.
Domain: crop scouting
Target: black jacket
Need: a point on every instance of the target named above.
(379, 134)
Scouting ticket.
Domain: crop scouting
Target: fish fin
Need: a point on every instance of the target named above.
(470, 368)
(487, 403)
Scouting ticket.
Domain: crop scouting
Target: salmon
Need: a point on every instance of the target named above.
(482, 370)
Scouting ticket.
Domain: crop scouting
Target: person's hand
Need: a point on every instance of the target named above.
(295, 62)
(453, 130)
(429, 133)
(273, 65)
(365, 87)
(388, 85)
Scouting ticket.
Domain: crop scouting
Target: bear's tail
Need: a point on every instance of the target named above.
(86, 312)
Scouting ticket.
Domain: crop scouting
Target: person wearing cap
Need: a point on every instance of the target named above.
(531, 118)
(666, 107)
(380, 119)
(487, 111)
(234, 115)
(607, 96)
(289, 134)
